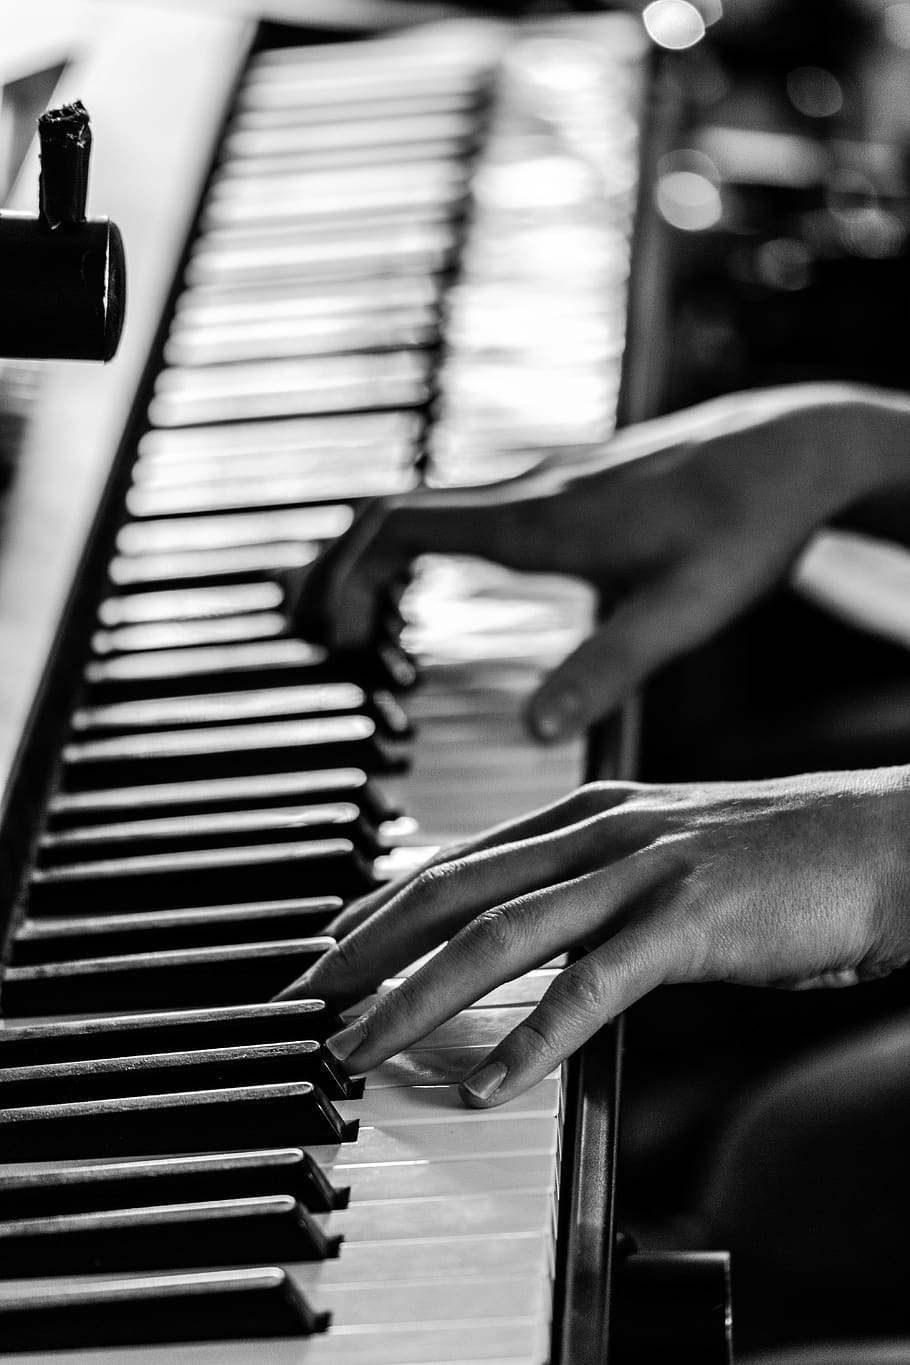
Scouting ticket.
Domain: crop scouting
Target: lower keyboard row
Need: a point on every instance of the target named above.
(410, 1228)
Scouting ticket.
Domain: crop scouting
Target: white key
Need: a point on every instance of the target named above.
(274, 392)
(496, 1254)
(294, 336)
(513, 1341)
(519, 1338)
(213, 630)
(461, 1301)
(455, 1141)
(216, 306)
(232, 530)
(295, 437)
(265, 377)
(255, 704)
(209, 467)
(385, 132)
(452, 1179)
(189, 604)
(524, 990)
(255, 489)
(198, 565)
(430, 1066)
(188, 662)
(476, 1028)
(414, 249)
(441, 1219)
(442, 1104)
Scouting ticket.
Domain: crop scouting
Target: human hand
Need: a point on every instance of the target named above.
(680, 524)
(792, 882)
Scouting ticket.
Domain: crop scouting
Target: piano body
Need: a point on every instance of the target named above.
(354, 265)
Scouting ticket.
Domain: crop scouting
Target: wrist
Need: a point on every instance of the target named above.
(869, 428)
(890, 812)
(834, 445)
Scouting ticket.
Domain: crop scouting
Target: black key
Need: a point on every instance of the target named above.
(216, 1305)
(247, 705)
(170, 1180)
(228, 751)
(216, 1232)
(53, 940)
(189, 1121)
(135, 1035)
(238, 974)
(201, 876)
(165, 1073)
(221, 794)
(219, 829)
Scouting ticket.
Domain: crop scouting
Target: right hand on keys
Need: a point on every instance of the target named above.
(681, 524)
(796, 882)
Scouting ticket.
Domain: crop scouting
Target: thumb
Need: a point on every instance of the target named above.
(644, 631)
(350, 587)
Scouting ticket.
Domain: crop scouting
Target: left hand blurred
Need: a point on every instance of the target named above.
(678, 523)
(792, 882)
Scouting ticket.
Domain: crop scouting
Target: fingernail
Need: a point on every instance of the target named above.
(484, 1083)
(346, 1040)
(557, 715)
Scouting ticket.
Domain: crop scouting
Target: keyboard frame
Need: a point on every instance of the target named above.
(199, 60)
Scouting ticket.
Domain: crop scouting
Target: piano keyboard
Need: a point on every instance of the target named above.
(411, 265)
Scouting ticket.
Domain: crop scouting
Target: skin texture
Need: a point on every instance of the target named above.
(680, 523)
(798, 882)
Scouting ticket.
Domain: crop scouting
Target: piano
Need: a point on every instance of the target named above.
(358, 262)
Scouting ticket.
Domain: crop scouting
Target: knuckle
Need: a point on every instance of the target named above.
(674, 855)
(435, 884)
(344, 924)
(580, 991)
(343, 957)
(533, 1040)
(496, 933)
(588, 800)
